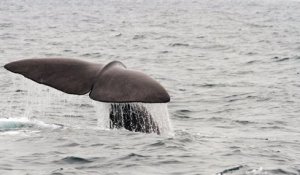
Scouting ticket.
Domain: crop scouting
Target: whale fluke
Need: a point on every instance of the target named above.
(111, 83)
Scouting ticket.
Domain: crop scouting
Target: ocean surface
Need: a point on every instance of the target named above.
(231, 67)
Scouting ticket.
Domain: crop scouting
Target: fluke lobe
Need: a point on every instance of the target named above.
(111, 83)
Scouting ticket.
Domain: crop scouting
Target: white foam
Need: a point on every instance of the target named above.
(21, 123)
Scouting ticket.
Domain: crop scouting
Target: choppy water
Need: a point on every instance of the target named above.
(230, 66)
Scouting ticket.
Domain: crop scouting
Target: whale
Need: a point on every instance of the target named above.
(126, 90)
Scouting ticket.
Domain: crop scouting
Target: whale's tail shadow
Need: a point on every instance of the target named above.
(111, 83)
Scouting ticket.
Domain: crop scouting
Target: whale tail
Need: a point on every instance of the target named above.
(110, 83)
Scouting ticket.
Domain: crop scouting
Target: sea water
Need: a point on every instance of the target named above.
(230, 66)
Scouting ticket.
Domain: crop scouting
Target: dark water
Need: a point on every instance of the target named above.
(232, 69)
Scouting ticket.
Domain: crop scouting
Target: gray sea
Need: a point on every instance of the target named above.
(231, 67)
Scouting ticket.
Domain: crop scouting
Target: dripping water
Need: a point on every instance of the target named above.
(137, 117)
(47, 104)
(102, 113)
(160, 113)
(133, 117)
(43, 103)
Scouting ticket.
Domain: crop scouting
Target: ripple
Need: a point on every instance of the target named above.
(158, 144)
(94, 55)
(133, 156)
(244, 122)
(272, 127)
(253, 62)
(6, 25)
(20, 90)
(173, 161)
(179, 45)
(74, 160)
(277, 59)
(210, 85)
(280, 171)
(86, 105)
(218, 118)
(183, 113)
(230, 170)
(7, 37)
(118, 35)
(164, 52)
(138, 37)
(70, 145)
(97, 144)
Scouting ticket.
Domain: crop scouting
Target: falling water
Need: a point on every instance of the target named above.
(102, 112)
(160, 113)
(157, 111)
(47, 104)
(44, 103)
